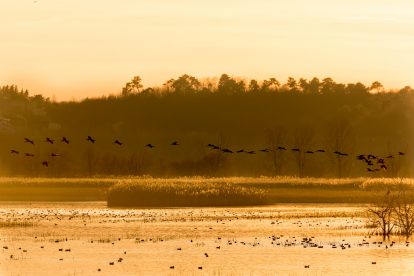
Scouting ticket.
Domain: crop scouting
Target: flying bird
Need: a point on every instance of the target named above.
(297, 150)
(14, 151)
(309, 151)
(64, 140)
(240, 151)
(174, 143)
(264, 150)
(226, 151)
(45, 163)
(281, 148)
(29, 154)
(27, 140)
(401, 153)
(119, 143)
(150, 146)
(320, 150)
(90, 139)
(54, 154)
(251, 152)
(50, 141)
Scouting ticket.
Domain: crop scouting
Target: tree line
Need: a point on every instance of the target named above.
(227, 111)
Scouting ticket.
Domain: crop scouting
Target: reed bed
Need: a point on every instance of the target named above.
(202, 190)
(178, 194)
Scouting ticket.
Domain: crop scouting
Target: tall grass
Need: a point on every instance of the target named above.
(178, 194)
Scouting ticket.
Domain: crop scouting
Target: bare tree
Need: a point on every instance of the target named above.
(404, 214)
(303, 140)
(276, 137)
(340, 138)
(381, 214)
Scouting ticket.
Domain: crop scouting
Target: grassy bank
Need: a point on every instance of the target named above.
(198, 191)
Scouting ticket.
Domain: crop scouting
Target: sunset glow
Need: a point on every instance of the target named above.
(74, 49)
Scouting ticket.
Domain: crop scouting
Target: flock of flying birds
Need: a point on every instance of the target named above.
(374, 163)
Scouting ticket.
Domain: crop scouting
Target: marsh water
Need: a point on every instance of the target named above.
(88, 238)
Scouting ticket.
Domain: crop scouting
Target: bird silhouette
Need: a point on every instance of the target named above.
(390, 156)
(45, 163)
(251, 152)
(50, 141)
(227, 151)
(297, 150)
(401, 153)
(215, 148)
(361, 157)
(54, 154)
(240, 151)
(309, 151)
(384, 167)
(27, 140)
(211, 145)
(14, 151)
(281, 148)
(320, 150)
(64, 140)
(119, 143)
(150, 146)
(174, 143)
(90, 139)
(264, 150)
(29, 154)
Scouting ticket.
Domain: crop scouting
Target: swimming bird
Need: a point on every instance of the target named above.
(90, 139)
(118, 142)
(174, 143)
(14, 151)
(50, 141)
(150, 146)
(64, 140)
(27, 140)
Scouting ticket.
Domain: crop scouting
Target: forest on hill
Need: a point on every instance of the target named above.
(329, 123)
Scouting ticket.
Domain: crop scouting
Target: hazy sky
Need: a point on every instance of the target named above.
(78, 48)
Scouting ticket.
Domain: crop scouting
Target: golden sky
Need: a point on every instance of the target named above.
(78, 48)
